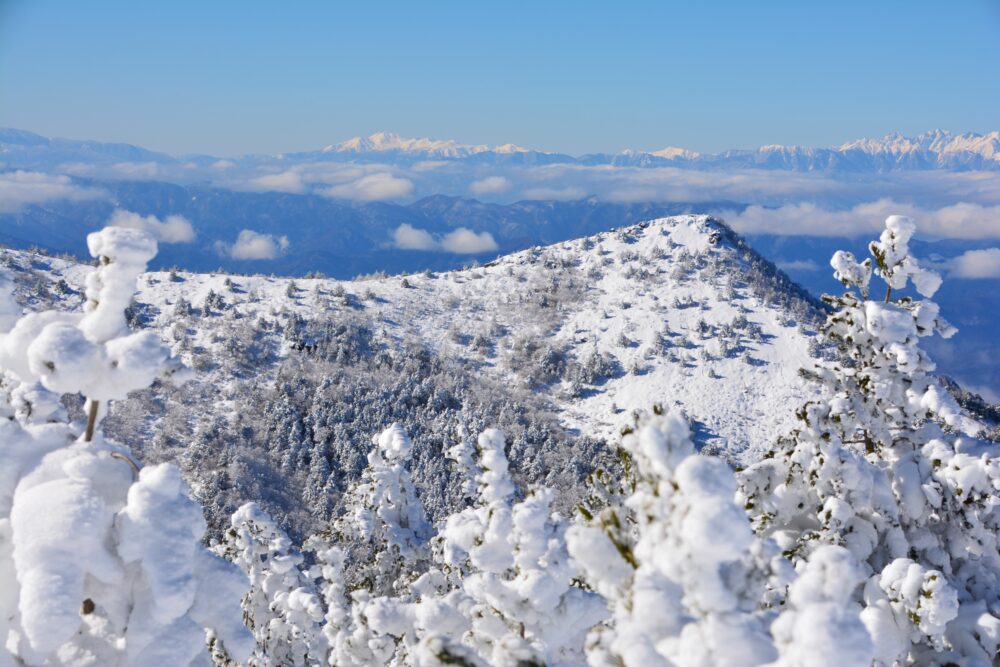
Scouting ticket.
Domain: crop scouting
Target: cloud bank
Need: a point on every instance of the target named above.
(173, 228)
(407, 237)
(489, 186)
(957, 221)
(461, 241)
(22, 188)
(464, 241)
(976, 264)
(373, 187)
(251, 245)
(287, 181)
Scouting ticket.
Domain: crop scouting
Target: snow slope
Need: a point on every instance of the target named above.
(676, 311)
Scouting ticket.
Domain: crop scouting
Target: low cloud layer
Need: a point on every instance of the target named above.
(958, 221)
(22, 188)
(558, 194)
(373, 187)
(251, 245)
(172, 229)
(461, 241)
(976, 264)
(286, 181)
(952, 204)
(489, 186)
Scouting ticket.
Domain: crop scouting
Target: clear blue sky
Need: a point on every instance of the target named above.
(231, 77)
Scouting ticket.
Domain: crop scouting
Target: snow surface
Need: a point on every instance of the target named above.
(628, 290)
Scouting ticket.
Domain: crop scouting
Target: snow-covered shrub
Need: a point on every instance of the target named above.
(594, 369)
(884, 465)
(674, 556)
(282, 607)
(101, 563)
(384, 527)
(820, 625)
(500, 590)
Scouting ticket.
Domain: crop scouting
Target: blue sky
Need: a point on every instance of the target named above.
(232, 77)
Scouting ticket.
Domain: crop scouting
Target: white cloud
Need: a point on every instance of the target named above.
(254, 245)
(373, 187)
(983, 263)
(407, 237)
(489, 185)
(22, 188)
(962, 220)
(464, 241)
(461, 241)
(287, 181)
(173, 228)
(222, 165)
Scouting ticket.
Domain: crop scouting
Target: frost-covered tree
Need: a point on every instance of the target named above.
(687, 581)
(666, 545)
(384, 524)
(101, 562)
(282, 607)
(820, 625)
(883, 464)
(350, 640)
(384, 533)
(501, 590)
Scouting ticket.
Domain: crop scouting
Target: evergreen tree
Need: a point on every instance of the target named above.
(880, 465)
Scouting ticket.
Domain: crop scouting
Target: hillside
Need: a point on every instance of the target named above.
(557, 345)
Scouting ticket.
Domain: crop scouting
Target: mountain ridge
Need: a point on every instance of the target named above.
(555, 344)
(935, 149)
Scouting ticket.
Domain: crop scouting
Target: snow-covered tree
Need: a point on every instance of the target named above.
(821, 625)
(384, 535)
(673, 554)
(885, 465)
(282, 607)
(384, 525)
(350, 640)
(101, 563)
(501, 590)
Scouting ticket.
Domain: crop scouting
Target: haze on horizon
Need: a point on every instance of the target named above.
(568, 77)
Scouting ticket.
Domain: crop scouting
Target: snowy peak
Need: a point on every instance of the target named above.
(937, 149)
(674, 153)
(390, 142)
(939, 146)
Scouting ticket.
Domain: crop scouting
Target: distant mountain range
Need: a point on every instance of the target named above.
(937, 149)
(386, 203)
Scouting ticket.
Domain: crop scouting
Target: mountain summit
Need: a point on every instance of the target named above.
(389, 142)
(557, 345)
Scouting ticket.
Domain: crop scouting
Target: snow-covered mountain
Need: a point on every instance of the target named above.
(557, 345)
(937, 149)
(390, 142)
(607, 362)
